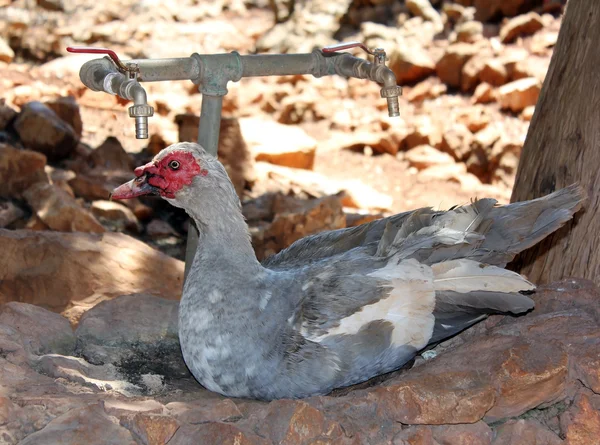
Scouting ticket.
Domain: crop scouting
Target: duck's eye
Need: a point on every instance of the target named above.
(174, 165)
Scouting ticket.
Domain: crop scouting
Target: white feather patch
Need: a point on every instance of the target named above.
(408, 307)
(468, 276)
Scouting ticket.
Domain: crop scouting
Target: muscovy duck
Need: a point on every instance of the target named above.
(339, 307)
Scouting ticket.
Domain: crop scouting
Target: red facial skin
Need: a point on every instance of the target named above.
(168, 180)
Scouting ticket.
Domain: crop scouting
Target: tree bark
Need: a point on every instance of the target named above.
(563, 147)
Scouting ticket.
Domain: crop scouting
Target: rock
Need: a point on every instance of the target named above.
(7, 115)
(51, 5)
(265, 141)
(74, 271)
(202, 411)
(19, 170)
(519, 94)
(494, 73)
(89, 425)
(528, 432)
(424, 156)
(59, 210)
(387, 142)
(475, 118)
(522, 25)
(42, 130)
(68, 110)
(99, 183)
(532, 66)
(61, 178)
(423, 132)
(474, 434)
(42, 331)
(427, 89)
(484, 93)
(456, 141)
(470, 76)
(450, 66)
(423, 8)
(9, 213)
(295, 219)
(215, 433)
(115, 214)
(157, 228)
(6, 53)
(489, 9)
(469, 32)
(543, 41)
(151, 429)
(581, 423)
(105, 335)
(411, 64)
(527, 113)
(111, 155)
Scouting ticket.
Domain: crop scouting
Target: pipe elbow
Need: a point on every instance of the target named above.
(93, 73)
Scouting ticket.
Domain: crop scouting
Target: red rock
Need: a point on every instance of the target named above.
(42, 130)
(115, 213)
(450, 66)
(456, 141)
(411, 64)
(427, 89)
(19, 170)
(581, 423)
(527, 113)
(59, 210)
(532, 66)
(151, 429)
(423, 131)
(469, 32)
(526, 432)
(521, 26)
(215, 433)
(519, 94)
(471, 71)
(111, 155)
(68, 110)
(484, 93)
(157, 228)
(494, 73)
(7, 114)
(89, 425)
(6, 53)
(75, 269)
(424, 156)
(99, 183)
(489, 9)
(9, 213)
(203, 411)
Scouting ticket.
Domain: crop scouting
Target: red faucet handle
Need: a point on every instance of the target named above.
(347, 45)
(94, 50)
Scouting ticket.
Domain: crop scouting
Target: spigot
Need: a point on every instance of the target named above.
(390, 90)
(123, 83)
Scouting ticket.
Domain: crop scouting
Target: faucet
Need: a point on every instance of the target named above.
(212, 73)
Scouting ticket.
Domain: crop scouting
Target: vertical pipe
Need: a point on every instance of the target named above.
(208, 137)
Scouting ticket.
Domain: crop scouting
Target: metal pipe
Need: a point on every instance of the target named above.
(208, 137)
(278, 64)
(155, 70)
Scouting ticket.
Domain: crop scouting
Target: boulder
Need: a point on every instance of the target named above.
(450, 66)
(6, 52)
(68, 110)
(278, 144)
(42, 130)
(115, 214)
(110, 155)
(59, 210)
(411, 64)
(424, 156)
(522, 25)
(19, 170)
(73, 271)
(517, 95)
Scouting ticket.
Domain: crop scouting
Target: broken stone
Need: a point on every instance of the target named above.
(7, 115)
(522, 25)
(41, 331)
(486, 10)
(42, 130)
(519, 94)
(528, 432)
(532, 66)
(469, 32)
(149, 428)
(423, 8)
(581, 423)
(99, 183)
(111, 155)
(59, 210)
(158, 228)
(456, 141)
(68, 110)
(484, 93)
(74, 271)
(423, 132)
(427, 89)
(411, 64)
(265, 141)
(295, 219)
(9, 213)
(6, 52)
(450, 66)
(424, 156)
(19, 170)
(494, 73)
(470, 76)
(527, 113)
(115, 213)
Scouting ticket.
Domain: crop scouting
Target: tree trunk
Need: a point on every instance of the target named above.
(563, 147)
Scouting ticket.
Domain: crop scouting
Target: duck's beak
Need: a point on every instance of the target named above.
(136, 187)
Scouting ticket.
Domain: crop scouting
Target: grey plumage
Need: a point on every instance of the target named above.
(340, 307)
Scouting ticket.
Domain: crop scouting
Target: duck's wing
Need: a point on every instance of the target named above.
(329, 244)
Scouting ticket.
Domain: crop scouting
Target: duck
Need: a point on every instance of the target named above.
(339, 307)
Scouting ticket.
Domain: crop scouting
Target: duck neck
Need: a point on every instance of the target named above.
(223, 236)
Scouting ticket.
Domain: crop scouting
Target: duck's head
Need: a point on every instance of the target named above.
(178, 174)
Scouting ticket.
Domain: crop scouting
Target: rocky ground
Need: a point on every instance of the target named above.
(305, 155)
